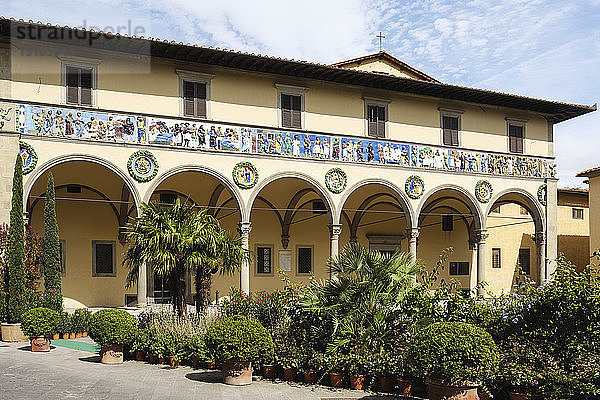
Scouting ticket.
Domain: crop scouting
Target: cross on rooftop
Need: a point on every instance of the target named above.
(381, 37)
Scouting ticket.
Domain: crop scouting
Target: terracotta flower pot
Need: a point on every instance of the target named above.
(336, 379)
(269, 371)
(387, 383)
(56, 336)
(72, 335)
(237, 373)
(311, 376)
(163, 360)
(441, 391)
(211, 365)
(78, 335)
(40, 343)
(139, 355)
(111, 354)
(290, 373)
(151, 358)
(65, 336)
(518, 396)
(357, 382)
(404, 387)
(84, 334)
(195, 362)
(173, 362)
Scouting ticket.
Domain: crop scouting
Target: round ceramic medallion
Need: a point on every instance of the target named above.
(483, 191)
(28, 156)
(142, 166)
(541, 194)
(336, 180)
(245, 175)
(414, 187)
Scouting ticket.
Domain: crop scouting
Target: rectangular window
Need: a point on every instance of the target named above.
(376, 118)
(450, 128)
(459, 268)
(525, 260)
(515, 138)
(63, 256)
(264, 260)
(79, 85)
(194, 99)
(318, 207)
(167, 198)
(160, 292)
(577, 213)
(304, 260)
(104, 258)
(447, 223)
(496, 261)
(131, 300)
(291, 111)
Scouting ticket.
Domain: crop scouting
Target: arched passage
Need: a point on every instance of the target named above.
(291, 217)
(449, 217)
(93, 203)
(517, 240)
(205, 189)
(378, 215)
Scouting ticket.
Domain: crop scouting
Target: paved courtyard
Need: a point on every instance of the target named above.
(73, 374)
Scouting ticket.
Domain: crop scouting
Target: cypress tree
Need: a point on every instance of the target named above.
(16, 249)
(52, 264)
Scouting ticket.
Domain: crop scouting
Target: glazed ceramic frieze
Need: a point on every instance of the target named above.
(193, 134)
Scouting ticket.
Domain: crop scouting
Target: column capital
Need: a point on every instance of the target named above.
(481, 235)
(412, 234)
(244, 228)
(285, 241)
(335, 230)
(539, 238)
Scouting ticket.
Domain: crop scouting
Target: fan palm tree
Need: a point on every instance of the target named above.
(362, 301)
(177, 239)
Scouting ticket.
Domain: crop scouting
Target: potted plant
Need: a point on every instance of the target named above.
(237, 341)
(139, 346)
(336, 364)
(195, 349)
(111, 329)
(312, 364)
(384, 367)
(288, 359)
(81, 318)
(39, 324)
(174, 350)
(358, 366)
(65, 324)
(454, 357)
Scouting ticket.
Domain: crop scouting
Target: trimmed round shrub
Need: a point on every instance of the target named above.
(111, 326)
(40, 322)
(239, 338)
(453, 353)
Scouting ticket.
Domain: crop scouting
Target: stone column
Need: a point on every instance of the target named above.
(473, 272)
(142, 286)
(481, 236)
(413, 235)
(551, 239)
(540, 241)
(334, 239)
(245, 228)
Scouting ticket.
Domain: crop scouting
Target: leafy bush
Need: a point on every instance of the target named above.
(453, 352)
(111, 326)
(239, 338)
(3, 301)
(40, 322)
(81, 320)
(65, 322)
(142, 339)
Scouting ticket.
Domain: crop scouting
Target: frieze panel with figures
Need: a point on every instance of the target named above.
(114, 127)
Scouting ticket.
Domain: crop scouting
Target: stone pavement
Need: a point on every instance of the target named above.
(72, 374)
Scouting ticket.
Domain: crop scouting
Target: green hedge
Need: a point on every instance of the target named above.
(239, 338)
(40, 322)
(111, 326)
(453, 352)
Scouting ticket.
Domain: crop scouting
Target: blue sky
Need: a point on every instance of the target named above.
(546, 49)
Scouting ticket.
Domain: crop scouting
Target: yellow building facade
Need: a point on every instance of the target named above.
(299, 158)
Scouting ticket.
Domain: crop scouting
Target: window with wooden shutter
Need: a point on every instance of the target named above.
(304, 260)
(496, 260)
(103, 258)
(447, 223)
(450, 128)
(515, 138)
(79, 83)
(264, 260)
(459, 268)
(376, 119)
(291, 111)
(194, 99)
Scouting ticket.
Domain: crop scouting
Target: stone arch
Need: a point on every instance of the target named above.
(401, 197)
(38, 172)
(525, 200)
(201, 169)
(320, 190)
(464, 197)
